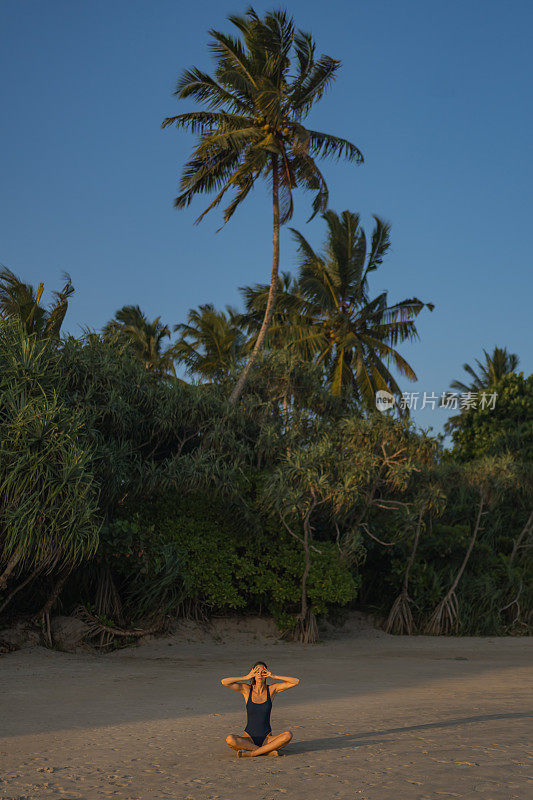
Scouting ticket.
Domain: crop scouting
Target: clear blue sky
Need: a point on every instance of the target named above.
(436, 95)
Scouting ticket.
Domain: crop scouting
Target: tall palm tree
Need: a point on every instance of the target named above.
(211, 342)
(22, 301)
(266, 80)
(496, 364)
(328, 315)
(146, 337)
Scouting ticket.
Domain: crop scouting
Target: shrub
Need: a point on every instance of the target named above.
(222, 565)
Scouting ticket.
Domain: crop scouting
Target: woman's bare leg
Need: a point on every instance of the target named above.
(240, 742)
(272, 743)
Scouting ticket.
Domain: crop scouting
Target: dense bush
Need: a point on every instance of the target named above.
(508, 427)
(139, 497)
(83, 427)
(490, 585)
(223, 565)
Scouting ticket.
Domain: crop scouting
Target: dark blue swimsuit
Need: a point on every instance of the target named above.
(258, 722)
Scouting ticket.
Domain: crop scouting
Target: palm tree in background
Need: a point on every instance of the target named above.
(489, 371)
(22, 301)
(146, 338)
(211, 342)
(495, 366)
(328, 315)
(266, 80)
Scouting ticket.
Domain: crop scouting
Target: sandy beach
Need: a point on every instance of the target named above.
(374, 717)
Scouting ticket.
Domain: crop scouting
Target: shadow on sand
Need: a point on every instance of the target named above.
(347, 740)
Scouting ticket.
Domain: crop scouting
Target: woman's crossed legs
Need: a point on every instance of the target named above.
(245, 746)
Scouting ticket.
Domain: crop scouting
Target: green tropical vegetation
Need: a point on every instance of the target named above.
(489, 372)
(211, 344)
(328, 315)
(22, 300)
(145, 337)
(242, 465)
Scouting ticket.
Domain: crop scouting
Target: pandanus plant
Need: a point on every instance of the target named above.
(265, 83)
(487, 480)
(430, 500)
(49, 516)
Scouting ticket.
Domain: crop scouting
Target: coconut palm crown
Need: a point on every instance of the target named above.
(146, 338)
(265, 82)
(496, 364)
(211, 342)
(22, 301)
(329, 315)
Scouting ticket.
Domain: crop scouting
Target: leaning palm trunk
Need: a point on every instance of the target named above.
(269, 311)
(400, 618)
(445, 618)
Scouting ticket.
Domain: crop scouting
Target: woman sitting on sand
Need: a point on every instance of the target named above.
(258, 739)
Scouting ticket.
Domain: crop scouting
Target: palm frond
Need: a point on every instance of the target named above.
(327, 146)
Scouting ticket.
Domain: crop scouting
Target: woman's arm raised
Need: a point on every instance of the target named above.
(287, 683)
(237, 683)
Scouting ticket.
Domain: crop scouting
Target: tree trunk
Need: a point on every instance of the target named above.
(56, 591)
(287, 423)
(453, 587)
(107, 599)
(269, 312)
(44, 613)
(400, 619)
(303, 611)
(445, 618)
(306, 630)
(12, 563)
(518, 542)
(413, 552)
